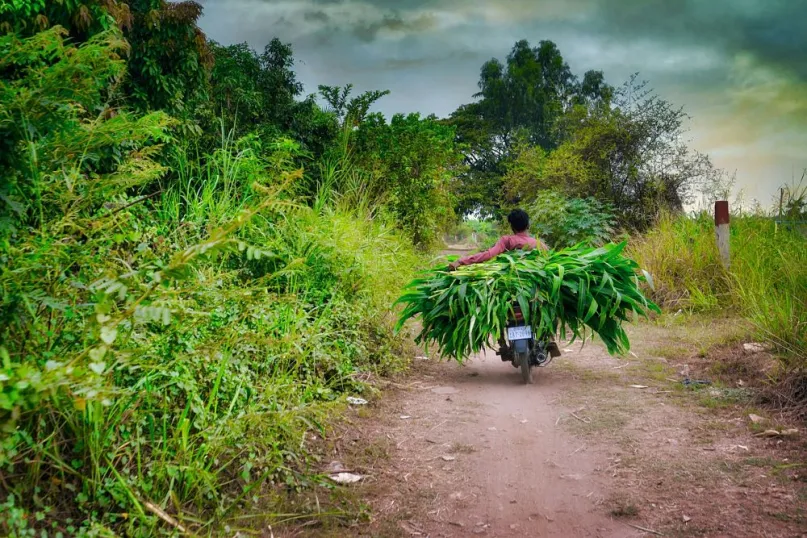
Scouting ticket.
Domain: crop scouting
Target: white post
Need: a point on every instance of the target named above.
(722, 231)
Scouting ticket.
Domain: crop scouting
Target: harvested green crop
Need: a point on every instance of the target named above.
(574, 289)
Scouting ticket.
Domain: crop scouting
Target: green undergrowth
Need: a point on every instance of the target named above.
(172, 324)
(766, 282)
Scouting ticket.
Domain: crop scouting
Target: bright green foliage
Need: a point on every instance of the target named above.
(60, 136)
(350, 112)
(81, 19)
(167, 59)
(416, 157)
(168, 338)
(564, 222)
(766, 282)
(570, 289)
(632, 156)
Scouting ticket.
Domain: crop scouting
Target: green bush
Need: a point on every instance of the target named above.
(564, 222)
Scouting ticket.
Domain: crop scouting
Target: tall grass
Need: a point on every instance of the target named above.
(766, 281)
(170, 336)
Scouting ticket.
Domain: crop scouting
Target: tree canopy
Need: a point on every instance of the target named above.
(535, 127)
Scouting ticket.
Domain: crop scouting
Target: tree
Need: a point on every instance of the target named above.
(564, 222)
(260, 93)
(523, 99)
(632, 155)
(417, 158)
(351, 112)
(167, 61)
(81, 20)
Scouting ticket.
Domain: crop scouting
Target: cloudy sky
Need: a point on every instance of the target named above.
(739, 67)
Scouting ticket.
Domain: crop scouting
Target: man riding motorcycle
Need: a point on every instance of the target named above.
(520, 223)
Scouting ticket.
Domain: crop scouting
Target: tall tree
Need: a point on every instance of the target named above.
(168, 59)
(416, 158)
(353, 111)
(521, 99)
(169, 62)
(632, 155)
(260, 93)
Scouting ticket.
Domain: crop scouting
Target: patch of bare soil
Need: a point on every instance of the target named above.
(598, 446)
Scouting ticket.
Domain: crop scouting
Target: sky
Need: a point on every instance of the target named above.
(738, 67)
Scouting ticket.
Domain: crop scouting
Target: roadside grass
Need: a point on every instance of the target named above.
(766, 285)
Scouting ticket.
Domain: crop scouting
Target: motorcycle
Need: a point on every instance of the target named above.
(521, 349)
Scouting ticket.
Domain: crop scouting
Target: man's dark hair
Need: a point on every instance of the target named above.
(519, 220)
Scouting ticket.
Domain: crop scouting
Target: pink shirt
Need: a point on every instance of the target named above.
(521, 240)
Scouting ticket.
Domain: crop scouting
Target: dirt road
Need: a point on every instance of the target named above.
(503, 465)
(597, 446)
(479, 453)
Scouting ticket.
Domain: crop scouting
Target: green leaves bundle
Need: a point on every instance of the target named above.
(568, 290)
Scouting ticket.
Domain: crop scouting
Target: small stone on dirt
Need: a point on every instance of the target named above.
(412, 528)
(753, 347)
(524, 421)
(346, 478)
(756, 419)
(687, 519)
(481, 528)
(404, 417)
(492, 429)
(768, 433)
(448, 458)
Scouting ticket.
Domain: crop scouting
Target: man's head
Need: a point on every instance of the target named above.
(519, 220)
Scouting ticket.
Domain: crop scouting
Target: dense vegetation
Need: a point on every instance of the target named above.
(198, 260)
(766, 281)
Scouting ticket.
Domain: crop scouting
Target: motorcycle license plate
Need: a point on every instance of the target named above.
(519, 333)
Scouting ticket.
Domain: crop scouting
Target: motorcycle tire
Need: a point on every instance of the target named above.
(526, 367)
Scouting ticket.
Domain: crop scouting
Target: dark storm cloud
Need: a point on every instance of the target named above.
(367, 31)
(774, 31)
(316, 16)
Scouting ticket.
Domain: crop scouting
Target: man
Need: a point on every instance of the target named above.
(520, 223)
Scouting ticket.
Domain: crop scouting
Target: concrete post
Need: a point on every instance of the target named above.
(722, 231)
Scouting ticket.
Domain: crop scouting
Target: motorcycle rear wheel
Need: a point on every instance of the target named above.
(526, 367)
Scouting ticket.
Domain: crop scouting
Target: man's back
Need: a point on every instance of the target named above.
(520, 240)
